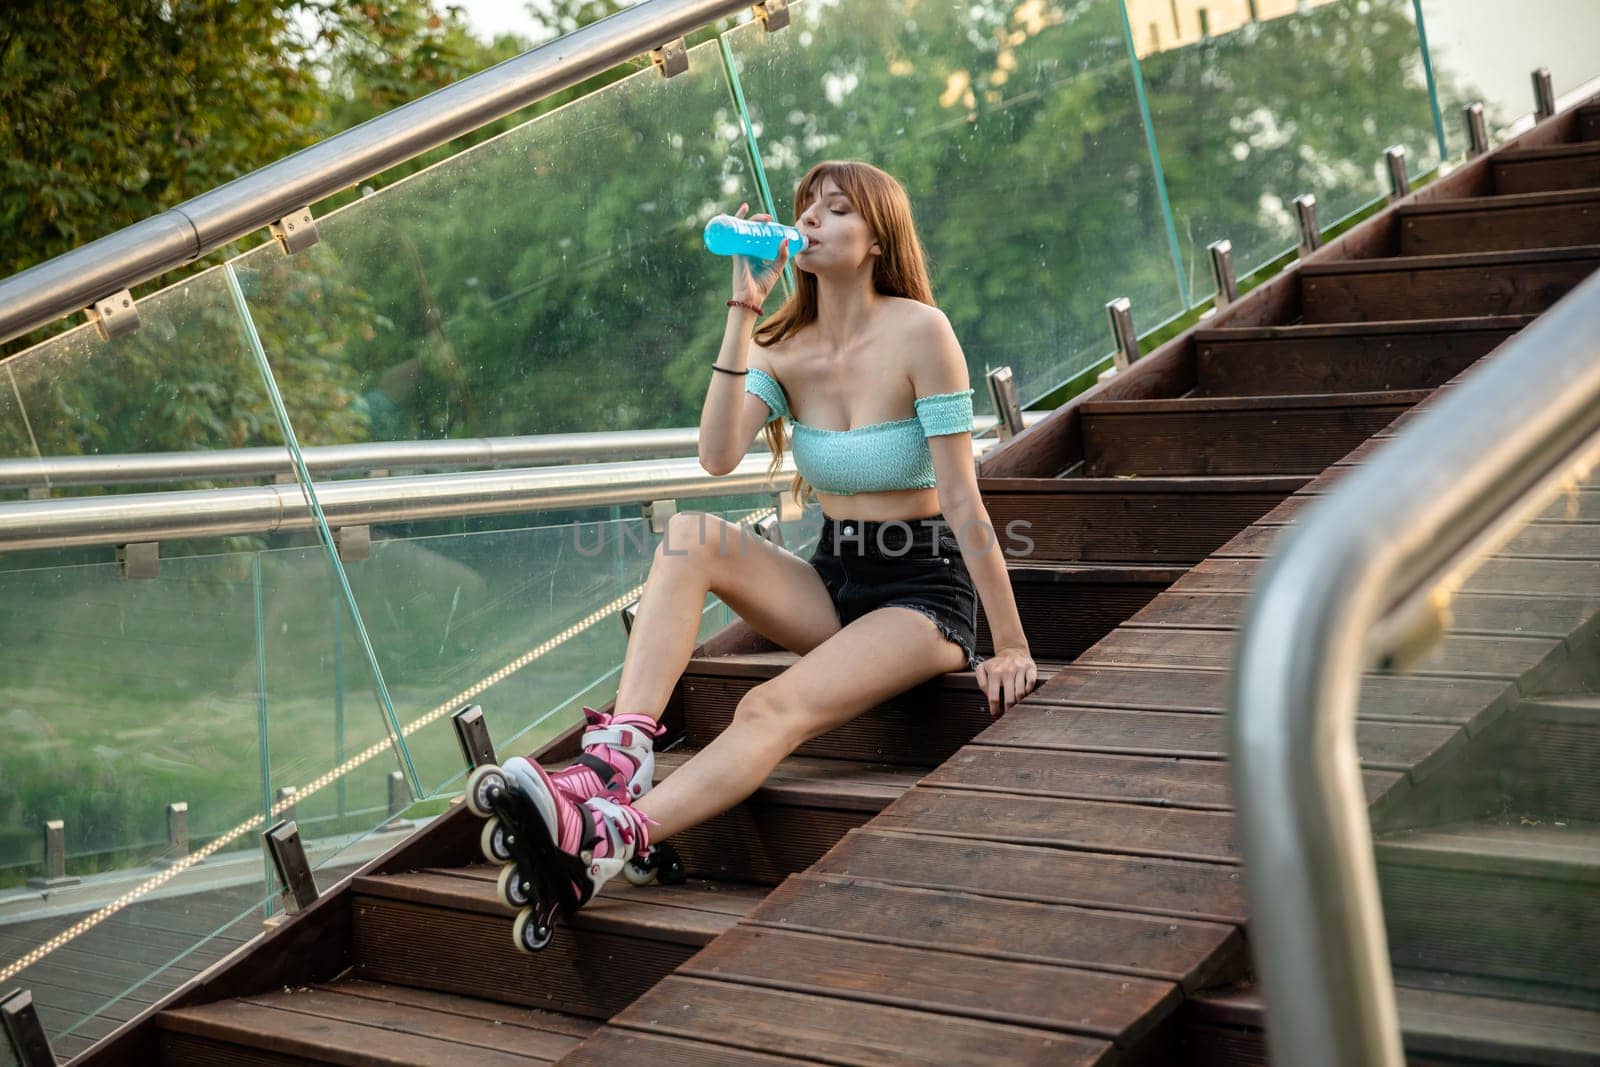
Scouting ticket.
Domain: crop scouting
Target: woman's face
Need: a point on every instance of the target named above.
(836, 235)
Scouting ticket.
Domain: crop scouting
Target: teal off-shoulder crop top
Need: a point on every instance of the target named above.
(875, 458)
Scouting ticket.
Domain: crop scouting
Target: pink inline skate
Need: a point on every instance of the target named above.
(618, 760)
(557, 852)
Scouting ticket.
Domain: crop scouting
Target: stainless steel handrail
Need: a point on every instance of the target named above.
(1343, 583)
(130, 517)
(148, 468)
(74, 280)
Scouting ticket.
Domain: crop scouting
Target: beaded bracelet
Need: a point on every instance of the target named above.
(745, 304)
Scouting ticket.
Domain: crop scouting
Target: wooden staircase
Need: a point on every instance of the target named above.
(1063, 885)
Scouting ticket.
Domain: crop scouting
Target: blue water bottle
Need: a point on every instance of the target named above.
(728, 235)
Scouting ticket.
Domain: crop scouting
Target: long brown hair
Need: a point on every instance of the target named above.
(901, 269)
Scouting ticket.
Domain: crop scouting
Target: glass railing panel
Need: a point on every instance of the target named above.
(1303, 98)
(1017, 133)
(1489, 854)
(122, 698)
(1485, 52)
(549, 280)
(183, 382)
(521, 615)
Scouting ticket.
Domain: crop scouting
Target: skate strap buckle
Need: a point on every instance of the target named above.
(613, 735)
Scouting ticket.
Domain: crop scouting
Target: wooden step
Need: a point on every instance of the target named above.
(1254, 435)
(1554, 770)
(1495, 657)
(1355, 357)
(1517, 900)
(360, 1023)
(1588, 124)
(1500, 223)
(1523, 282)
(823, 1029)
(919, 728)
(1548, 169)
(1224, 1028)
(801, 811)
(1129, 520)
(444, 929)
(1115, 1007)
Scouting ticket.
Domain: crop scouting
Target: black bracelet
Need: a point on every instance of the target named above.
(725, 370)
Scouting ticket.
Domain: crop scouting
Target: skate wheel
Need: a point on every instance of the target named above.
(485, 782)
(638, 873)
(493, 841)
(530, 932)
(514, 892)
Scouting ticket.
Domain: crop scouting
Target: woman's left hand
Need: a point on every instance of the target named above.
(1006, 677)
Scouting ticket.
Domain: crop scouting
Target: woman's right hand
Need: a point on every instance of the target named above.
(754, 278)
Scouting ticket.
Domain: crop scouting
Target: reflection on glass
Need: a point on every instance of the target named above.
(182, 382)
(1016, 131)
(1290, 103)
(549, 280)
(1487, 861)
(1485, 52)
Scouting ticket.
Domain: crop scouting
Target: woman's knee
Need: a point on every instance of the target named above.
(689, 534)
(761, 710)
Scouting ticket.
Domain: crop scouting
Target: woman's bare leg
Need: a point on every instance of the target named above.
(780, 595)
(828, 686)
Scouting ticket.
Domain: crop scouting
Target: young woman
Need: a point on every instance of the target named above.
(887, 600)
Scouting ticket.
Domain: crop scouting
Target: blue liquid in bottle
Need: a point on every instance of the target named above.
(727, 235)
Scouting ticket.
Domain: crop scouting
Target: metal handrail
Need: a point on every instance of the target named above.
(126, 518)
(1355, 576)
(148, 468)
(74, 280)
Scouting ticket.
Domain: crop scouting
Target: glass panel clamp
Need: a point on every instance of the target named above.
(114, 316)
(1399, 182)
(295, 232)
(1003, 398)
(672, 58)
(472, 734)
(28, 1040)
(298, 889)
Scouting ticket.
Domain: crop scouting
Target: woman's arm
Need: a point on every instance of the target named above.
(939, 366)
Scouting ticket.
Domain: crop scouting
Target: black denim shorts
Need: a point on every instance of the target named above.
(912, 563)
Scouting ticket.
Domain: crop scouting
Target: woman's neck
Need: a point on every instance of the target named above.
(844, 309)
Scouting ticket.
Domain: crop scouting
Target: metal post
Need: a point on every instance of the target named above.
(1120, 312)
(1477, 133)
(1544, 94)
(770, 529)
(298, 889)
(472, 732)
(1399, 182)
(177, 834)
(22, 1027)
(399, 801)
(55, 857)
(1305, 210)
(1221, 253)
(1003, 397)
(286, 792)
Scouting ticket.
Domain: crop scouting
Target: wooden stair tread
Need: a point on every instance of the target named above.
(846, 785)
(368, 1022)
(1574, 150)
(1453, 260)
(1095, 1004)
(690, 914)
(1496, 1029)
(1564, 849)
(1503, 202)
(1138, 884)
(1129, 483)
(839, 1031)
(1297, 330)
(1198, 405)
